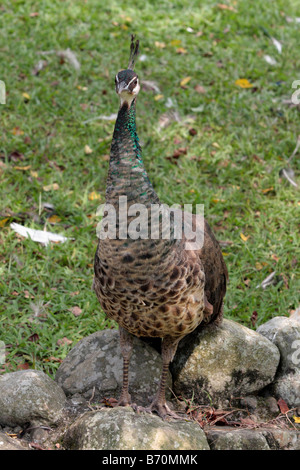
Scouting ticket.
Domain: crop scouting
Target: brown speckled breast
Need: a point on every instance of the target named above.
(151, 288)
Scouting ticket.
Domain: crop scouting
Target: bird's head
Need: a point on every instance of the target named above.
(127, 81)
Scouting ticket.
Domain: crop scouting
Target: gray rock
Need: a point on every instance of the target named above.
(30, 396)
(220, 362)
(123, 429)
(282, 439)
(285, 333)
(287, 387)
(8, 443)
(236, 439)
(95, 365)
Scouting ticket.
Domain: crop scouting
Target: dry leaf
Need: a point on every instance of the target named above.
(175, 42)
(296, 419)
(34, 174)
(267, 190)
(254, 317)
(184, 81)
(158, 97)
(3, 222)
(243, 83)
(17, 131)
(63, 341)
(160, 45)
(181, 50)
(22, 168)
(282, 405)
(54, 219)
(51, 187)
(199, 89)
(223, 6)
(94, 196)
(244, 237)
(87, 150)
(26, 96)
(76, 311)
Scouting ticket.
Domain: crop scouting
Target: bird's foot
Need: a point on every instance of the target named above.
(124, 400)
(160, 408)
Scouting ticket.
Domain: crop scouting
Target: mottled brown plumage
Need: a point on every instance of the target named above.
(152, 287)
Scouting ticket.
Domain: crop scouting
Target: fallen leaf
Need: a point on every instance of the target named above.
(254, 317)
(54, 219)
(76, 292)
(223, 6)
(184, 81)
(216, 145)
(23, 366)
(34, 338)
(87, 150)
(200, 89)
(94, 196)
(243, 83)
(3, 222)
(51, 187)
(175, 42)
(63, 341)
(267, 190)
(296, 419)
(34, 14)
(181, 50)
(53, 359)
(244, 237)
(17, 131)
(34, 174)
(282, 405)
(158, 97)
(160, 45)
(22, 168)
(76, 311)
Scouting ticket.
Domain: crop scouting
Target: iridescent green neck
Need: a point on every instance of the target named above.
(127, 175)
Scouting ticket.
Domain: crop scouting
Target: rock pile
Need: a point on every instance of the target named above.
(215, 365)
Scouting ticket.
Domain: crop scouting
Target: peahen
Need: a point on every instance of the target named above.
(153, 287)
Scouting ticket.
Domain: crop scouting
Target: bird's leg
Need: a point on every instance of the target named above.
(159, 404)
(126, 340)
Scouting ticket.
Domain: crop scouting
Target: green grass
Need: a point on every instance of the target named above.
(244, 137)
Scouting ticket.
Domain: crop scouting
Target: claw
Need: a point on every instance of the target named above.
(161, 409)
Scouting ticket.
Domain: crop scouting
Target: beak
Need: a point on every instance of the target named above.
(120, 87)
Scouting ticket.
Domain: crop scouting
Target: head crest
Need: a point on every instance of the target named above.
(134, 50)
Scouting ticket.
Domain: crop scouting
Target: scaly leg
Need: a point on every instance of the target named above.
(126, 340)
(159, 404)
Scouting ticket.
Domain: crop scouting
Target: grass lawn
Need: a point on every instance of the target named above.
(206, 139)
